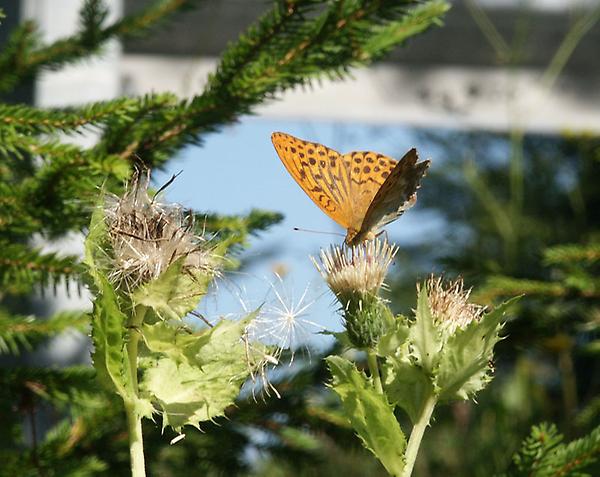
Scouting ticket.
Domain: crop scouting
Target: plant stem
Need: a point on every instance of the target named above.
(417, 434)
(136, 441)
(374, 369)
(135, 322)
(134, 420)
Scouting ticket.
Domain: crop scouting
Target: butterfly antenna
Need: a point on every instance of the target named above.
(297, 229)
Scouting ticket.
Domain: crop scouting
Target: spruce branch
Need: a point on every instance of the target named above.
(14, 55)
(62, 450)
(24, 56)
(13, 218)
(23, 268)
(139, 23)
(57, 193)
(230, 226)
(61, 193)
(294, 44)
(29, 120)
(543, 455)
(499, 286)
(17, 147)
(22, 333)
(61, 387)
(118, 136)
(57, 454)
(586, 254)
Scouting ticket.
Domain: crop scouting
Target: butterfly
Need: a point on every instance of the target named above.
(362, 190)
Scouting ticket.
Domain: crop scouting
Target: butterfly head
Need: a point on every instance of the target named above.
(355, 237)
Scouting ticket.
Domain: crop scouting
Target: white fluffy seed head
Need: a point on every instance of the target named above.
(147, 236)
(282, 323)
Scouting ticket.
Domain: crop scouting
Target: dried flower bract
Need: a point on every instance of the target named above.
(148, 236)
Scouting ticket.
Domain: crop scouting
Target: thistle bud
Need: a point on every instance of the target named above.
(449, 304)
(453, 340)
(355, 275)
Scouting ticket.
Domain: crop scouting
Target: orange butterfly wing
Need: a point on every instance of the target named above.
(362, 190)
(320, 171)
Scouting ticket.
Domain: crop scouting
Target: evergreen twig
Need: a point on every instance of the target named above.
(24, 55)
(543, 455)
(18, 333)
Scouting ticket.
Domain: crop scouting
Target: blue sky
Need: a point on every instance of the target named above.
(237, 169)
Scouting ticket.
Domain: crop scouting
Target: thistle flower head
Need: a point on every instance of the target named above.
(357, 269)
(449, 304)
(148, 236)
(355, 275)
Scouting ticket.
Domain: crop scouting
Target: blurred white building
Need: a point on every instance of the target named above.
(454, 76)
(458, 75)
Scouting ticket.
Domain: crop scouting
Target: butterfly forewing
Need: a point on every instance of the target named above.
(397, 193)
(321, 173)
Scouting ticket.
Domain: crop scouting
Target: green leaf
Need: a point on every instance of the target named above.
(170, 339)
(424, 336)
(465, 361)
(406, 385)
(391, 343)
(341, 336)
(108, 335)
(196, 376)
(370, 414)
(96, 244)
(108, 321)
(174, 293)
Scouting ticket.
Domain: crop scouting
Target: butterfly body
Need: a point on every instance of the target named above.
(362, 191)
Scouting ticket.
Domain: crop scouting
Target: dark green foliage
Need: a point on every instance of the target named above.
(28, 396)
(523, 223)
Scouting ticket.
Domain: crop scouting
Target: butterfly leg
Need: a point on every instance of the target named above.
(383, 232)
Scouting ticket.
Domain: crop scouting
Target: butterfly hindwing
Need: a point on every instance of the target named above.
(321, 173)
(397, 193)
(368, 172)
